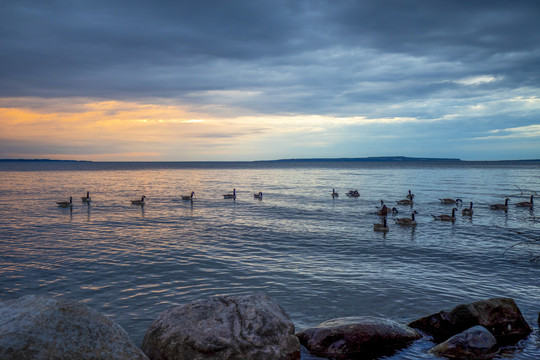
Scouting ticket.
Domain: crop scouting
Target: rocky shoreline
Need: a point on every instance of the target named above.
(248, 327)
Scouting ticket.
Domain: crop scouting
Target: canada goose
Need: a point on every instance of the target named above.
(188, 197)
(410, 195)
(385, 210)
(65, 203)
(258, 196)
(446, 217)
(353, 193)
(86, 198)
(405, 202)
(407, 221)
(449, 201)
(467, 211)
(139, 202)
(500, 206)
(381, 227)
(230, 196)
(334, 193)
(528, 204)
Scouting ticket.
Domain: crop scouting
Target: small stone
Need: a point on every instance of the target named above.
(474, 343)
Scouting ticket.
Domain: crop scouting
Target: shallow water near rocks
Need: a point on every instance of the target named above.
(318, 257)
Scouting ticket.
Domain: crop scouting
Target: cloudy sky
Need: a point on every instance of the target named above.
(257, 79)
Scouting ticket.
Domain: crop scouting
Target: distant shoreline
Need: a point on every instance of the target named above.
(293, 160)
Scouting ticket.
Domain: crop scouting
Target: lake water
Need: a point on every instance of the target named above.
(318, 257)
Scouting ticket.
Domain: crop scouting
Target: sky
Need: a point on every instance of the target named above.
(235, 80)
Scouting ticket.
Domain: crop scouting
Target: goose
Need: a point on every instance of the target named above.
(353, 193)
(258, 196)
(230, 196)
(500, 206)
(410, 195)
(467, 211)
(449, 201)
(381, 227)
(139, 202)
(405, 202)
(446, 217)
(528, 204)
(334, 193)
(385, 210)
(188, 197)
(86, 198)
(65, 203)
(407, 221)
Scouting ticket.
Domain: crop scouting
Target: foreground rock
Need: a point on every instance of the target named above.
(356, 337)
(35, 327)
(474, 343)
(500, 316)
(223, 327)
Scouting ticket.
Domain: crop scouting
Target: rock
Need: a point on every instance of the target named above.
(353, 337)
(223, 327)
(500, 316)
(474, 343)
(35, 327)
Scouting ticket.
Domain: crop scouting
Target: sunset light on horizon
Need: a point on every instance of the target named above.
(249, 81)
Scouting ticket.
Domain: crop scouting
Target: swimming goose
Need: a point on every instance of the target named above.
(188, 197)
(353, 193)
(385, 210)
(405, 202)
(258, 196)
(410, 195)
(334, 193)
(407, 221)
(65, 203)
(139, 202)
(467, 211)
(500, 206)
(451, 201)
(230, 196)
(87, 198)
(446, 217)
(381, 227)
(528, 204)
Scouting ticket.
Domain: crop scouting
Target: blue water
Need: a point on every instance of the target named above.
(317, 256)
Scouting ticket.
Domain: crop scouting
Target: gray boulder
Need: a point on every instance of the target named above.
(474, 343)
(34, 327)
(500, 316)
(356, 337)
(223, 327)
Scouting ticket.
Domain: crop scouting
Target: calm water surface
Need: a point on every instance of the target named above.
(317, 256)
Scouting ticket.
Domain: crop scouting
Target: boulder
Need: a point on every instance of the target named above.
(356, 337)
(500, 316)
(223, 327)
(474, 343)
(35, 327)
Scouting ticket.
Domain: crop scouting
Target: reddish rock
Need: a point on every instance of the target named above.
(500, 316)
(356, 337)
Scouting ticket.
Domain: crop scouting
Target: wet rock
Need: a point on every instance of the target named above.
(500, 316)
(474, 343)
(356, 337)
(34, 327)
(223, 327)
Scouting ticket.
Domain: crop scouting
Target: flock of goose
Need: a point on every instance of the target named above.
(384, 210)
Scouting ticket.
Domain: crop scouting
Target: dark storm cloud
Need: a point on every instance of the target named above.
(302, 56)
